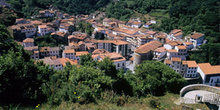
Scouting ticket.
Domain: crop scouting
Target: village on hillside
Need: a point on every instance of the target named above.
(127, 44)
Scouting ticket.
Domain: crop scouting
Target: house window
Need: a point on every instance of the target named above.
(118, 65)
(212, 81)
(177, 66)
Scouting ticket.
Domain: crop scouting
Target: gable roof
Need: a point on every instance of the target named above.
(208, 69)
(177, 59)
(28, 40)
(192, 64)
(197, 35)
(69, 51)
(167, 61)
(181, 47)
(150, 46)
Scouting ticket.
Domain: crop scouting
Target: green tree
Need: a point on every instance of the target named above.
(154, 78)
(108, 68)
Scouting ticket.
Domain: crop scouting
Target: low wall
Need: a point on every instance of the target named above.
(199, 87)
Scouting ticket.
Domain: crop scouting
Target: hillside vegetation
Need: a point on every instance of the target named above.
(27, 8)
(36, 83)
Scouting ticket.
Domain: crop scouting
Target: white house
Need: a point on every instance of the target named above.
(197, 39)
(187, 69)
(118, 60)
(57, 63)
(153, 21)
(175, 34)
(160, 53)
(191, 71)
(28, 42)
(189, 45)
(136, 24)
(44, 30)
(49, 51)
(34, 52)
(69, 54)
(210, 74)
(182, 52)
(147, 25)
(171, 53)
(80, 53)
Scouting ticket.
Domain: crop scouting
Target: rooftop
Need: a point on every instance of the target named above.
(181, 47)
(69, 51)
(172, 50)
(197, 35)
(28, 40)
(150, 46)
(192, 64)
(160, 49)
(82, 53)
(167, 61)
(176, 59)
(99, 51)
(208, 69)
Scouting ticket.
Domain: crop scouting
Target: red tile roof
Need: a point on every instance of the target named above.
(208, 69)
(176, 59)
(150, 46)
(197, 35)
(28, 40)
(192, 64)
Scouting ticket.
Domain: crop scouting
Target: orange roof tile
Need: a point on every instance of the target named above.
(175, 31)
(208, 69)
(151, 32)
(188, 43)
(28, 40)
(181, 47)
(178, 34)
(197, 35)
(81, 53)
(150, 46)
(42, 26)
(167, 61)
(160, 49)
(184, 62)
(99, 51)
(176, 59)
(192, 64)
(65, 60)
(172, 50)
(69, 51)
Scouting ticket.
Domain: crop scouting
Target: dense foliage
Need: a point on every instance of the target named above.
(36, 83)
(84, 27)
(48, 40)
(195, 15)
(7, 16)
(124, 9)
(27, 8)
(207, 53)
(20, 78)
(154, 78)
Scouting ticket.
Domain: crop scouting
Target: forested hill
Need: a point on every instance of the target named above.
(188, 15)
(26, 8)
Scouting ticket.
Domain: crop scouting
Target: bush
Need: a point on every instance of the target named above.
(154, 102)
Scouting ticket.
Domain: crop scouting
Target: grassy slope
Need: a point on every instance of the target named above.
(132, 103)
